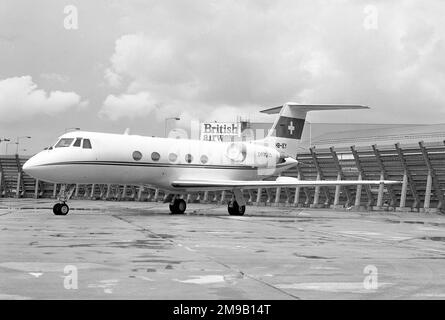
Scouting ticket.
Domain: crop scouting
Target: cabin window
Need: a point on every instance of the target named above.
(137, 155)
(65, 142)
(155, 156)
(188, 158)
(172, 157)
(86, 144)
(77, 142)
(204, 159)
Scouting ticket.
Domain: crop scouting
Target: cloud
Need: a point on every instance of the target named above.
(112, 78)
(129, 106)
(241, 56)
(55, 77)
(20, 98)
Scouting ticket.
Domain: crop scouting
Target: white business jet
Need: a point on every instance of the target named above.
(181, 166)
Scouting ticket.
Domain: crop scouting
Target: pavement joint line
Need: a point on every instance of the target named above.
(333, 234)
(210, 258)
(145, 229)
(407, 246)
(255, 279)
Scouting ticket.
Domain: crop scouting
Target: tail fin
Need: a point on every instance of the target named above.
(288, 126)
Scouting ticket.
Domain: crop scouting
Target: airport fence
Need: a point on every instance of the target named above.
(420, 167)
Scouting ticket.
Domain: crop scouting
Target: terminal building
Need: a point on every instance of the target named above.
(411, 153)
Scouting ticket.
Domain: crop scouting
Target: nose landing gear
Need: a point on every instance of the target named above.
(61, 209)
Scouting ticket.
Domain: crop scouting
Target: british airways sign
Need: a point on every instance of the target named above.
(216, 131)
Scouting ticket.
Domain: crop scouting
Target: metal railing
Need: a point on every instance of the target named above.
(420, 168)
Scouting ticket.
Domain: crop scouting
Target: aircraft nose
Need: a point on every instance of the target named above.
(29, 166)
(36, 167)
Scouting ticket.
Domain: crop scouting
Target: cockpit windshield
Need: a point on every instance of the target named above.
(77, 142)
(64, 142)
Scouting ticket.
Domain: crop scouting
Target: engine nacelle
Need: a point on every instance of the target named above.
(253, 155)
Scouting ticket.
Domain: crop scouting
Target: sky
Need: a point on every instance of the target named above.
(110, 65)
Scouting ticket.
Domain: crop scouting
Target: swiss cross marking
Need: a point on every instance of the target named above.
(291, 128)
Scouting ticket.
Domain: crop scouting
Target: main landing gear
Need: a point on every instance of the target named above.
(235, 209)
(61, 208)
(237, 206)
(178, 206)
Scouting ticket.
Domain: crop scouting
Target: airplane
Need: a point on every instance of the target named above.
(181, 166)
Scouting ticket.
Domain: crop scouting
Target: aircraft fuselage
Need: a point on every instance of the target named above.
(139, 160)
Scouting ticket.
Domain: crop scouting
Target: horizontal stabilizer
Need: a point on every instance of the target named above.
(314, 107)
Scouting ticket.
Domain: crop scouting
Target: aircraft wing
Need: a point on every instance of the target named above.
(214, 185)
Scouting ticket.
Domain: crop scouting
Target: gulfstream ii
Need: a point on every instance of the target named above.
(181, 166)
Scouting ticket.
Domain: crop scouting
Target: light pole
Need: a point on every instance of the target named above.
(17, 142)
(310, 133)
(165, 124)
(5, 139)
(6, 147)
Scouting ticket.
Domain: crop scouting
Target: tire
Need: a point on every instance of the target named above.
(64, 209)
(231, 207)
(182, 206)
(178, 207)
(61, 209)
(56, 209)
(235, 209)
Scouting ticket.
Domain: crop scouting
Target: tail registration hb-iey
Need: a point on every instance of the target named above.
(182, 166)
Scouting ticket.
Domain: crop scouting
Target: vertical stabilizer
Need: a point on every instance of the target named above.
(287, 129)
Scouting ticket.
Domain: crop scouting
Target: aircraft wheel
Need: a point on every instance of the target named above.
(178, 206)
(235, 209)
(64, 209)
(56, 209)
(61, 209)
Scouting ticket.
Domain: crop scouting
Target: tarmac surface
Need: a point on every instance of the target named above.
(137, 250)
